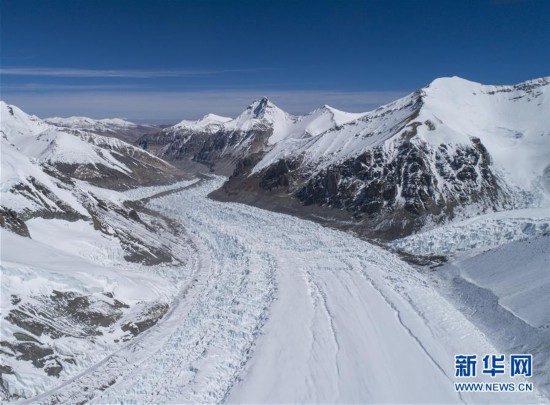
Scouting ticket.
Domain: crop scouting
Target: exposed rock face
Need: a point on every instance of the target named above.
(388, 194)
(397, 194)
(219, 151)
(219, 142)
(10, 221)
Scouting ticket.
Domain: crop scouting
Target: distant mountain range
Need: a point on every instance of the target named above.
(113, 127)
(451, 149)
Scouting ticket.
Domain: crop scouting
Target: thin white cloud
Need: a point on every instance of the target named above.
(170, 107)
(105, 73)
(48, 87)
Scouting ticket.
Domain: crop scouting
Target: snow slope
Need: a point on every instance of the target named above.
(497, 273)
(345, 135)
(19, 170)
(75, 153)
(505, 292)
(283, 125)
(46, 143)
(518, 274)
(75, 285)
(511, 121)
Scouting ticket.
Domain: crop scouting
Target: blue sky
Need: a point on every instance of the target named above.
(162, 61)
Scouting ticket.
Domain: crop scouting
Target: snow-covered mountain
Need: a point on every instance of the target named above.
(52, 172)
(82, 154)
(221, 142)
(113, 127)
(451, 149)
(67, 245)
(49, 172)
(208, 123)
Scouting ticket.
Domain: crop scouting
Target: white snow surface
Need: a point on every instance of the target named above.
(17, 168)
(512, 123)
(28, 142)
(518, 274)
(43, 142)
(72, 256)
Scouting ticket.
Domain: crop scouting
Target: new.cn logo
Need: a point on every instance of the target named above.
(520, 364)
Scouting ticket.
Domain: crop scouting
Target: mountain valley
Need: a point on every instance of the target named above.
(329, 257)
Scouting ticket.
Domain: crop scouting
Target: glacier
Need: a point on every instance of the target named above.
(285, 310)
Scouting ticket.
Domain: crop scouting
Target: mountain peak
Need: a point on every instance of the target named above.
(260, 106)
(213, 118)
(452, 85)
(11, 110)
(332, 110)
(451, 80)
(209, 120)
